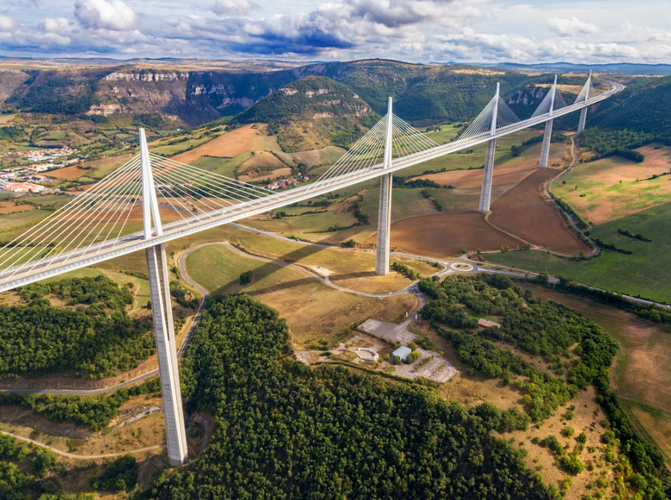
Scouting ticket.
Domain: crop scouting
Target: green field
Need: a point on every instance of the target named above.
(173, 149)
(222, 166)
(9, 221)
(647, 272)
(445, 134)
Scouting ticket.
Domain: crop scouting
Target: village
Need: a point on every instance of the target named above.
(31, 178)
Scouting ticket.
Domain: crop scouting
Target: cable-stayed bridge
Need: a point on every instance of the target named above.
(102, 222)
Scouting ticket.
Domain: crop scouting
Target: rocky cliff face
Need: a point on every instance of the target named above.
(10, 81)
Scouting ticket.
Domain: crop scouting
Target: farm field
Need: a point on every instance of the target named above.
(9, 207)
(646, 272)
(327, 156)
(16, 220)
(221, 166)
(338, 264)
(312, 310)
(615, 187)
(96, 169)
(639, 374)
(447, 234)
(524, 212)
(231, 144)
(265, 176)
(261, 159)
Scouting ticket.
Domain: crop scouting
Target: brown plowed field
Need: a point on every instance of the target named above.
(68, 173)
(446, 234)
(524, 212)
(511, 172)
(231, 144)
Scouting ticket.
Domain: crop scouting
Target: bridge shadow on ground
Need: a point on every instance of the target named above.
(294, 257)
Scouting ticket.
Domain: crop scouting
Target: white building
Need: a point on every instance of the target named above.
(401, 353)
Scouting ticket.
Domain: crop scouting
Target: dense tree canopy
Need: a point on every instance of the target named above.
(284, 431)
(94, 338)
(574, 345)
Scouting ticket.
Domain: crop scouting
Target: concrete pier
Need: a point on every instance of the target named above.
(486, 193)
(384, 211)
(161, 309)
(545, 150)
(583, 121)
(384, 226)
(166, 349)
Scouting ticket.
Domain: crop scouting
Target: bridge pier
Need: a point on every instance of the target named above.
(583, 111)
(161, 308)
(583, 121)
(384, 226)
(547, 136)
(384, 211)
(486, 193)
(545, 149)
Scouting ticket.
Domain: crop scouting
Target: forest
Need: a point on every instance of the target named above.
(92, 336)
(285, 431)
(574, 346)
(93, 412)
(23, 468)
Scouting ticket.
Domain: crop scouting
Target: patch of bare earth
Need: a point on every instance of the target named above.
(524, 212)
(231, 144)
(444, 235)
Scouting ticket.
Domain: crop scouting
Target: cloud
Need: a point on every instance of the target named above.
(56, 25)
(7, 24)
(570, 27)
(112, 15)
(233, 7)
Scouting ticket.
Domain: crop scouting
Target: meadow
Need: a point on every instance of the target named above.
(646, 272)
(615, 187)
(313, 310)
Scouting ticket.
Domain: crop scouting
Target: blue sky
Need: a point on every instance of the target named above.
(420, 31)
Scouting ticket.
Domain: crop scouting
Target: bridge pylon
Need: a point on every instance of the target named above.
(547, 136)
(384, 211)
(583, 113)
(486, 193)
(161, 308)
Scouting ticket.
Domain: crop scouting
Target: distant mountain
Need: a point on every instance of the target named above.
(423, 94)
(312, 112)
(623, 68)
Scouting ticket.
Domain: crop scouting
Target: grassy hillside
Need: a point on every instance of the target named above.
(312, 112)
(642, 107)
(646, 272)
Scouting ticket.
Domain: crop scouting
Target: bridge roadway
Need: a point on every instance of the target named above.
(18, 276)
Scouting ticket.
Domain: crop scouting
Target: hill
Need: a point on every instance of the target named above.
(425, 94)
(641, 107)
(312, 112)
(190, 95)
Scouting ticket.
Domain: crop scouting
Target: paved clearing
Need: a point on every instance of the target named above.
(437, 368)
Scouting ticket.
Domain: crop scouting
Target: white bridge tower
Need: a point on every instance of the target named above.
(161, 308)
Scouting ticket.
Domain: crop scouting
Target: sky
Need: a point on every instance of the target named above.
(579, 31)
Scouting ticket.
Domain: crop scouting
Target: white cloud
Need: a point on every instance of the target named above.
(56, 25)
(233, 7)
(7, 24)
(571, 27)
(112, 15)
